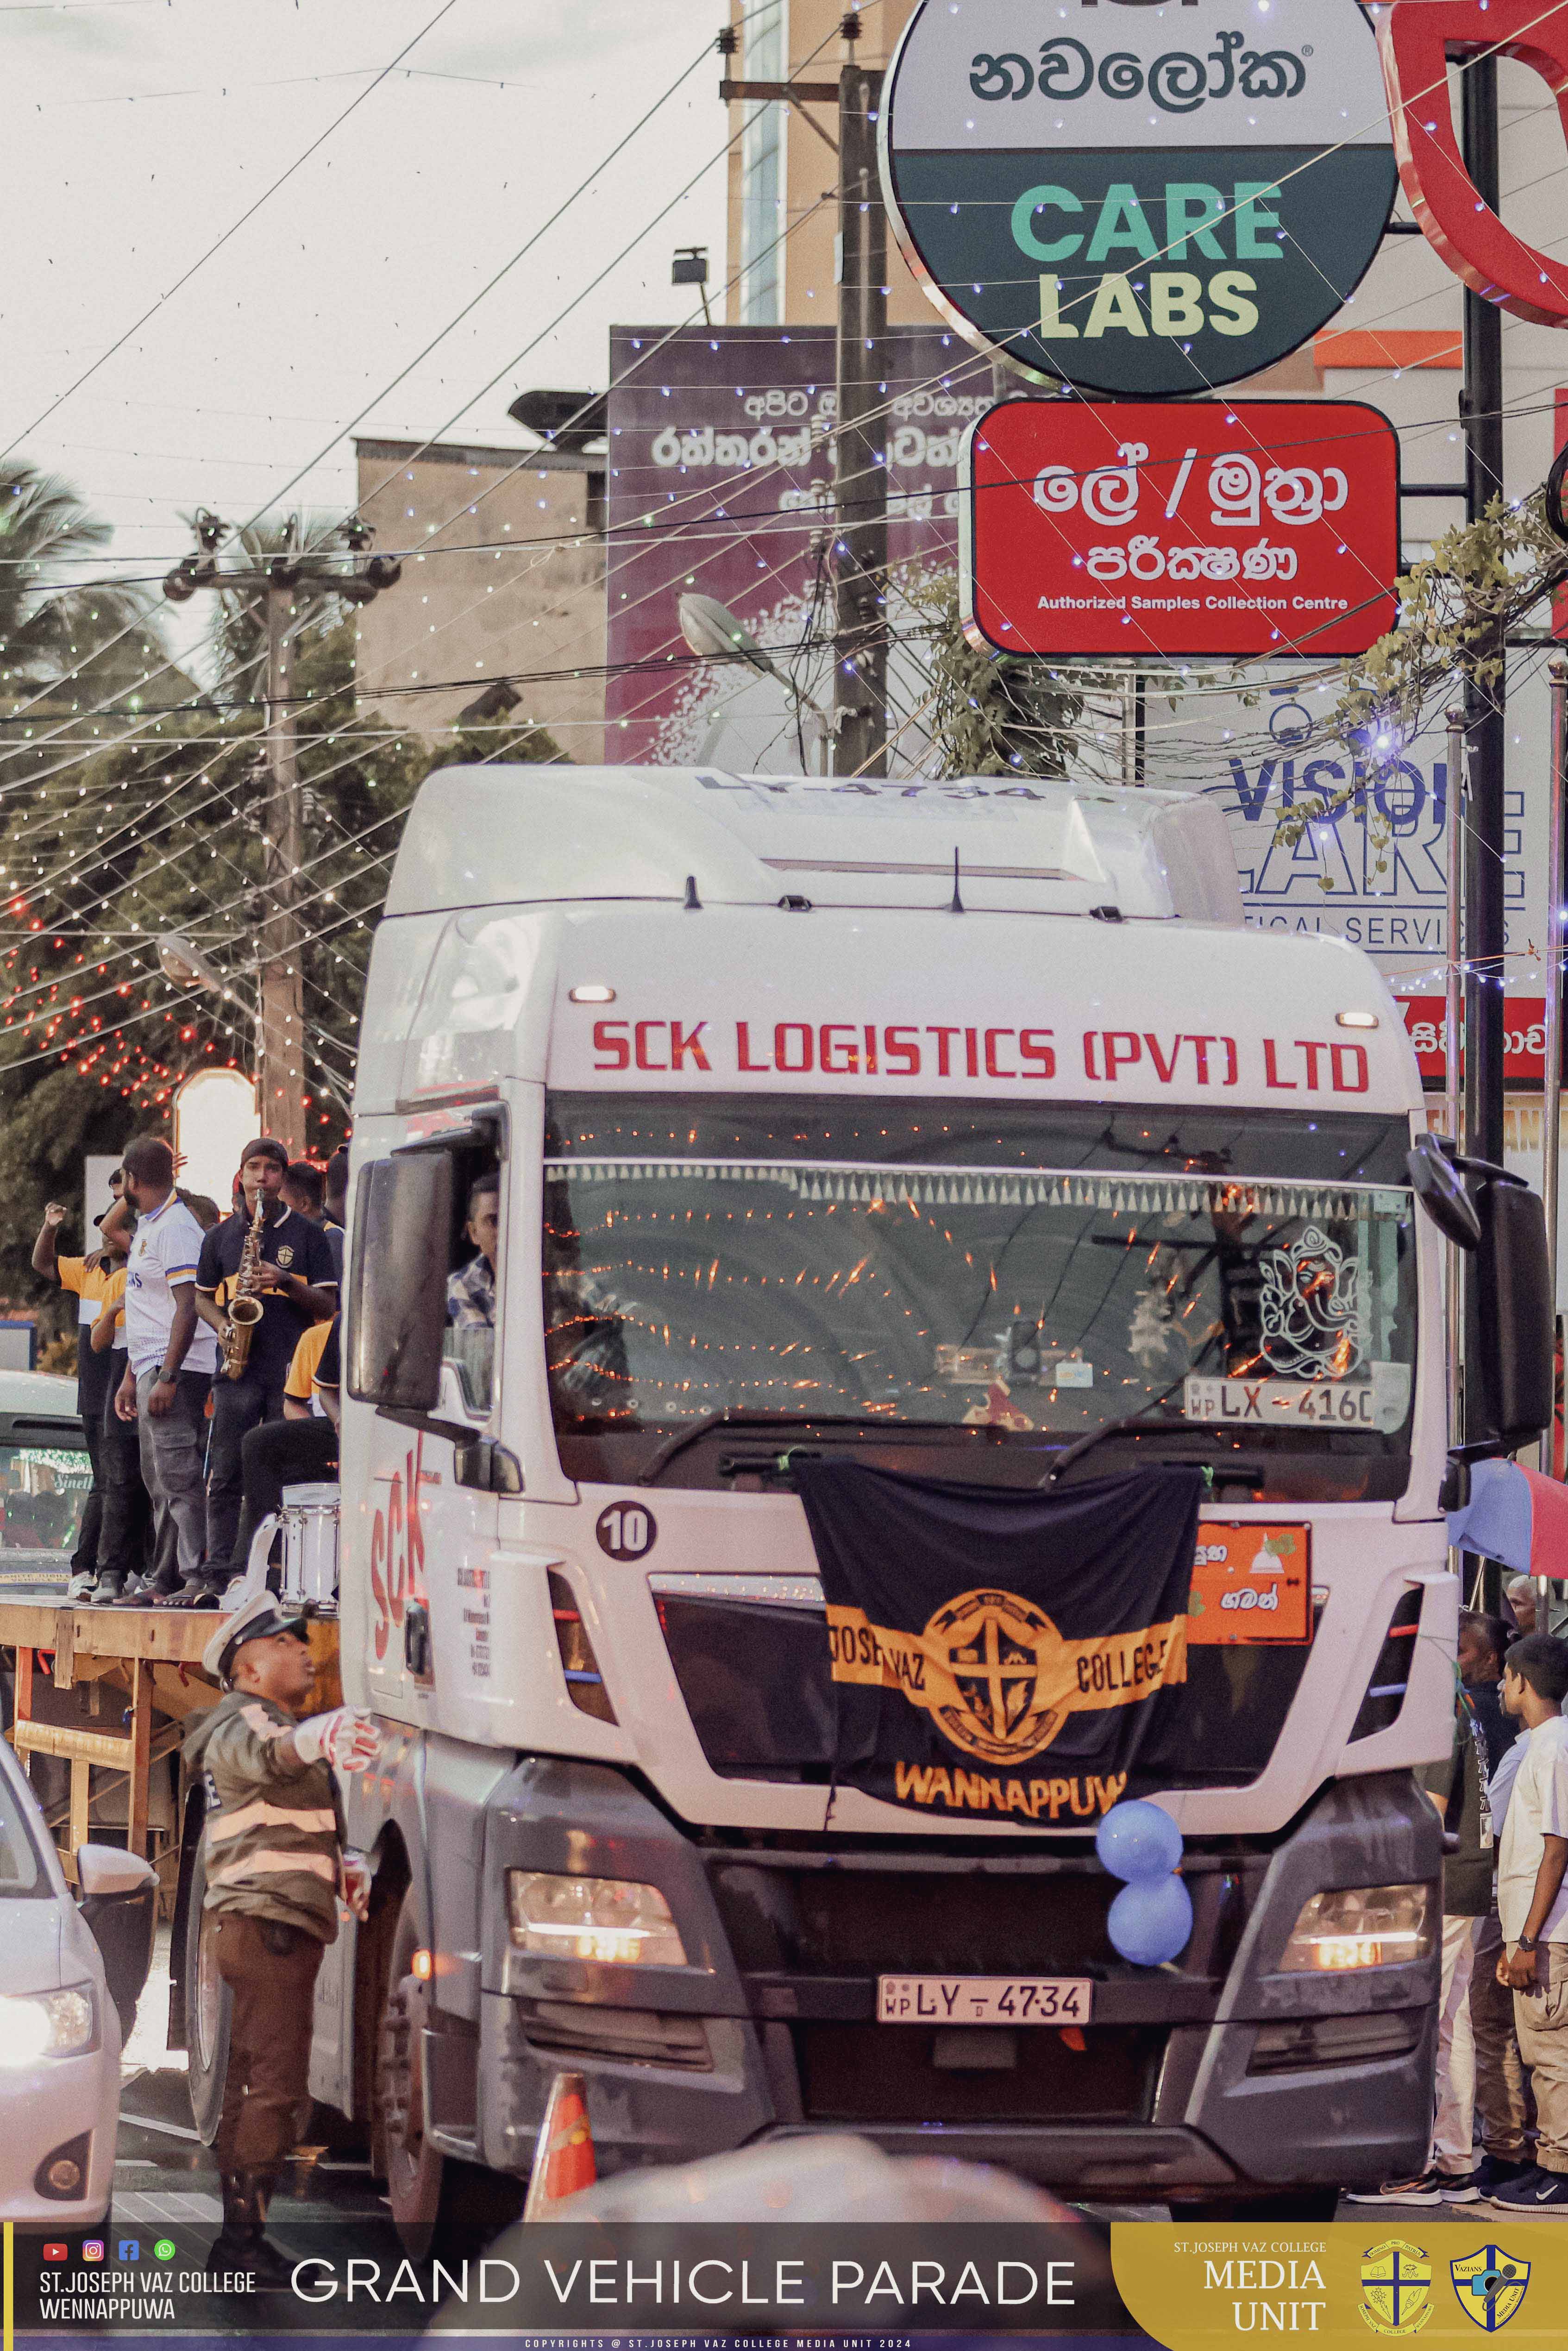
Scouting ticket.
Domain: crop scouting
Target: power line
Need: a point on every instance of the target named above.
(231, 231)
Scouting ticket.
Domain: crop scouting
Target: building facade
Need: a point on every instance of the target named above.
(502, 591)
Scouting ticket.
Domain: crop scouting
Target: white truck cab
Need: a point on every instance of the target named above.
(962, 1127)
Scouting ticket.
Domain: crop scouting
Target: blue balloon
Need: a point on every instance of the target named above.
(1138, 1841)
(1151, 1920)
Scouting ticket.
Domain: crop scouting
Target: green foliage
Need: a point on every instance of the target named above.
(1456, 607)
(990, 715)
(49, 625)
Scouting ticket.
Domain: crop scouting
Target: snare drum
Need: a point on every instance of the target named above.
(310, 1546)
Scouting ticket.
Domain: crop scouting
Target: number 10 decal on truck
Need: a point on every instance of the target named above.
(708, 1140)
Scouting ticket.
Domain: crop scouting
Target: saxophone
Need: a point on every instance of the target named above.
(245, 1308)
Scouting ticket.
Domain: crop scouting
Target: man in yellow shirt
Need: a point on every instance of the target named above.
(87, 1278)
(123, 1546)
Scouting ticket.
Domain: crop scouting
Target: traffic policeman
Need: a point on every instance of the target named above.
(276, 1869)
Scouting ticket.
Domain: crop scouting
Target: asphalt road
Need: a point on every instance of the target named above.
(166, 2181)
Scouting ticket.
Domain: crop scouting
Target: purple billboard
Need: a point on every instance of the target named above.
(720, 482)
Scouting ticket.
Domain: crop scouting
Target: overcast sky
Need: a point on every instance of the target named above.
(136, 131)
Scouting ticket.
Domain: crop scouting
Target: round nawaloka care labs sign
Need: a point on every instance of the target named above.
(1139, 199)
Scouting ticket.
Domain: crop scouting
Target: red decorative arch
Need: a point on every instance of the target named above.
(1416, 38)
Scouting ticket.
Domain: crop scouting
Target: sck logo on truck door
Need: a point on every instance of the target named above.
(397, 1549)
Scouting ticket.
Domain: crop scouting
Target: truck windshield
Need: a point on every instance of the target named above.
(1036, 1272)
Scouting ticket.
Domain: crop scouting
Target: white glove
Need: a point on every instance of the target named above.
(347, 1739)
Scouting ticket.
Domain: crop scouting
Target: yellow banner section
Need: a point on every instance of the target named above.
(1346, 2283)
(996, 1676)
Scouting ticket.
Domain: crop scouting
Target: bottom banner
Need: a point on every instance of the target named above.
(632, 2286)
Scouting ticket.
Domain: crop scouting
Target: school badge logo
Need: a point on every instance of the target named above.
(1491, 2285)
(283, 1258)
(1396, 2288)
(996, 1648)
(995, 1674)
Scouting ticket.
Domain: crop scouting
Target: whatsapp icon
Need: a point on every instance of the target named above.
(164, 2251)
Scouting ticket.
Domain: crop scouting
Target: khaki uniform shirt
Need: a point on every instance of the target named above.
(271, 1842)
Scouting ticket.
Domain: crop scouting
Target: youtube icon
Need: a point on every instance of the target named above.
(57, 2253)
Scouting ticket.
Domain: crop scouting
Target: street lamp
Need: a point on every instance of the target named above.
(183, 962)
(186, 966)
(713, 633)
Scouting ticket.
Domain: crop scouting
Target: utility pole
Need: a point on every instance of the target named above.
(280, 1025)
(1485, 923)
(1485, 926)
(280, 1003)
(860, 469)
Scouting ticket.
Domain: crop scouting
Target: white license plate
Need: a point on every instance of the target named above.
(1376, 1402)
(983, 2000)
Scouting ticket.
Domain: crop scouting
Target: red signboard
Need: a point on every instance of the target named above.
(1144, 531)
(1418, 38)
(1523, 1037)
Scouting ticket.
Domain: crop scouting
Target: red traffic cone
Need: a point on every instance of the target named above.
(563, 2158)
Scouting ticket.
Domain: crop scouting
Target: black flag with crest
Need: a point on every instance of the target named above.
(996, 1653)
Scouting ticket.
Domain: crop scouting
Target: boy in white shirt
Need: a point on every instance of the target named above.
(1532, 1903)
(172, 1358)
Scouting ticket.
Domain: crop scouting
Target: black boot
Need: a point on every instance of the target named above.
(241, 2245)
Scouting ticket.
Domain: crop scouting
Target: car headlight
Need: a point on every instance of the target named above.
(44, 2024)
(607, 1918)
(1361, 1926)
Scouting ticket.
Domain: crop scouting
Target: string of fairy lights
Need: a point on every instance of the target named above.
(38, 1007)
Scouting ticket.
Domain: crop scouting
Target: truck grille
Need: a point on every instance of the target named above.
(867, 1923)
(639, 2035)
(909, 2074)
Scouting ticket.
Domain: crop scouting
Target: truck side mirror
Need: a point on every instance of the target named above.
(1515, 1298)
(397, 1302)
(1503, 1223)
(1440, 1188)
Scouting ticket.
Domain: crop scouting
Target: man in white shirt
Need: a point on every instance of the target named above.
(1532, 1903)
(172, 1356)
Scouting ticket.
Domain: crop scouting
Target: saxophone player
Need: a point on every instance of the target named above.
(282, 1262)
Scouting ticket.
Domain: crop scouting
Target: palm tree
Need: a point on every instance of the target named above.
(90, 642)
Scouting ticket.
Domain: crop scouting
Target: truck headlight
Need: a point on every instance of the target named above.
(1361, 1926)
(607, 1918)
(44, 2024)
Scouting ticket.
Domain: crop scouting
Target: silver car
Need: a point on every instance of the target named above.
(70, 1977)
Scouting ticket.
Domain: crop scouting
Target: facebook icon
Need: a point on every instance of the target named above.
(129, 2249)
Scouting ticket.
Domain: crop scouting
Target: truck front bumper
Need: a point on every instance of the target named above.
(1222, 2075)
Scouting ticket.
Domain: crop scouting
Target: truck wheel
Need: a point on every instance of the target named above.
(440, 2206)
(208, 2005)
(1309, 2204)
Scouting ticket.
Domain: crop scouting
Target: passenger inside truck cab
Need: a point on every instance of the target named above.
(471, 1289)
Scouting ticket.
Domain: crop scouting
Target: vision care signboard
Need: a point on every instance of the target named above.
(1250, 528)
(1142, 200)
